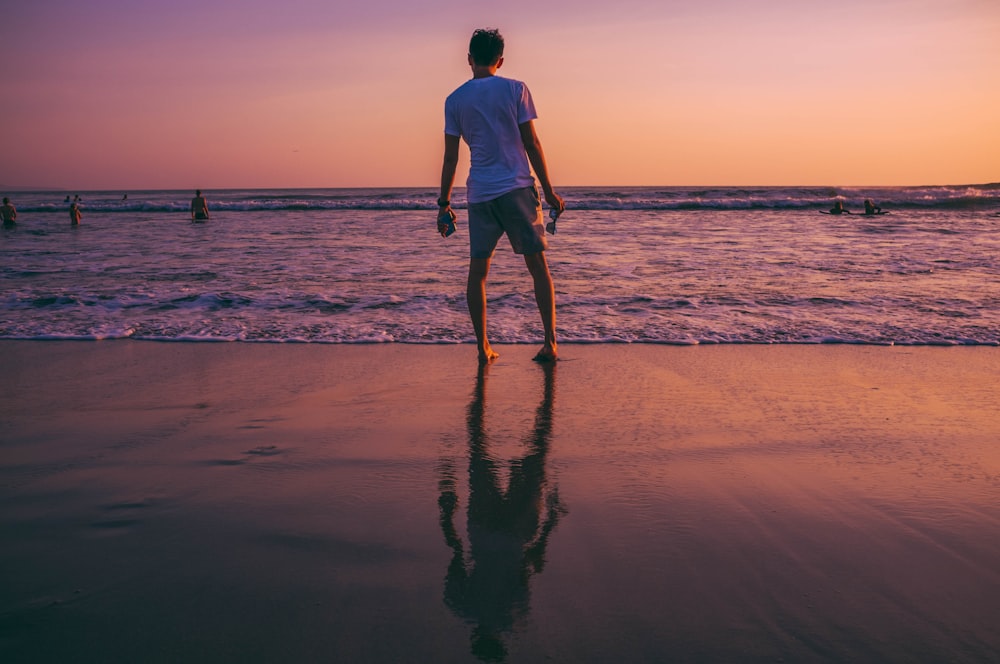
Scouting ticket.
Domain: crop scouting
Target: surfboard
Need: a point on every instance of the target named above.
(854, 214)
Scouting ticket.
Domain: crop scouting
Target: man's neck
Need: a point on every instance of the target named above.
(480, 71)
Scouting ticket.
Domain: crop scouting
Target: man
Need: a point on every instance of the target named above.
(199, 207)
(8, 213)
(495, 117)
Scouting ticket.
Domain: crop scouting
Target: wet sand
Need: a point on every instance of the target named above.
(166, 502)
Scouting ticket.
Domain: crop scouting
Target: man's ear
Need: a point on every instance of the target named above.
(500, 62)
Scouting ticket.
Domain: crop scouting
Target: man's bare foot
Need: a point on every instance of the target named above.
(487, 355)
(548, 353)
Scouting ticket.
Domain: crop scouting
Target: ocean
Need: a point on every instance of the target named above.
(669, 265)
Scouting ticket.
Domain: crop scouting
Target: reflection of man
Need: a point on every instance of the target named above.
(507, 530)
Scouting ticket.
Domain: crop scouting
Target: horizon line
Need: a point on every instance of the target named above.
(65, 190)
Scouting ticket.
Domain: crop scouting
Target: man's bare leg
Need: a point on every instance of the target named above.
(475, 296)
(545, 298)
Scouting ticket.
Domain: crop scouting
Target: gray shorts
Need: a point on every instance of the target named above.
(517, 213)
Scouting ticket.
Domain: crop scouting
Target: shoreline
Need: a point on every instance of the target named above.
(602, 342)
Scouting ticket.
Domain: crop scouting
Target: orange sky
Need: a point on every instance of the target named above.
(303, 93)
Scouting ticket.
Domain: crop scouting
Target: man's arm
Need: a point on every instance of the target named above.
(448, 168)
(533, 146)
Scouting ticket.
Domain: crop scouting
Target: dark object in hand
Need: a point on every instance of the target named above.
(551, 226)
(446, 221)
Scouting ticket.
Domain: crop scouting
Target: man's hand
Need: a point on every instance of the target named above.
(555, 201)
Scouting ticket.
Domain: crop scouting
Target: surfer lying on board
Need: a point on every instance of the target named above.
(838, 208)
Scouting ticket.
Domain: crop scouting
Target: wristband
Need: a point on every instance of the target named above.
(443, 203)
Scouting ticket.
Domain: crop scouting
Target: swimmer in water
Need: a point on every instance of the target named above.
(8, 213)
(199, 207)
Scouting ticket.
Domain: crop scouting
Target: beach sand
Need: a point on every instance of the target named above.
(186, 502)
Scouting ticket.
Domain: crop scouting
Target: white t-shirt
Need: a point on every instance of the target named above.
(486, 113)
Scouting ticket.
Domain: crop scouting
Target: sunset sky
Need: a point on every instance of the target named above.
(118, 94)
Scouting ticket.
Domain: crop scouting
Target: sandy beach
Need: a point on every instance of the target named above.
(232, 502)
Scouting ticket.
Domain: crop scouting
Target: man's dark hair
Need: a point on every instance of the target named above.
(486, 46)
